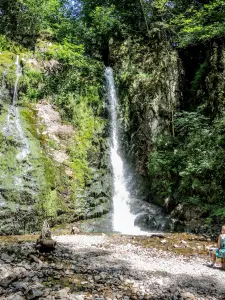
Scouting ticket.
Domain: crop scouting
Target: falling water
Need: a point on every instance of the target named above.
(13, 126)
(123, 219)
(18, 74)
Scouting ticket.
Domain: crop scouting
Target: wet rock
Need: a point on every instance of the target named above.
(5, 282)
(187, 296)
(20, 285)
(16, 297)
(99, 210)
(145, 221)
(97, 278)
(5, 257)
(33, 293)
(63, 294)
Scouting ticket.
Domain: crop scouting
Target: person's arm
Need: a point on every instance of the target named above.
(219, 241)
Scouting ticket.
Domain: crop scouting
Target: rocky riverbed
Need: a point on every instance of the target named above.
(88, 266)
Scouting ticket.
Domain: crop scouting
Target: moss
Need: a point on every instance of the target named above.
(33, 180)
(54, 180)
(18, 238)
(7, 67)
(86, 141)
(147, 78)
(73, 282)
(50, 206)
(39, 181)
(29, 117)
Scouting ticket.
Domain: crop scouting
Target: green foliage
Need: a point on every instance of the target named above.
(55, 69)
(187, 22)
(87, 140)
(98, 27)
(31, 84)
(189, 168)
(8, 45)
(7, 68)
(74, 83)
(65, 53)
(200, 24)
(145, 72)
(50, 204)
(25, 20)
(127, 12)
(104, 20)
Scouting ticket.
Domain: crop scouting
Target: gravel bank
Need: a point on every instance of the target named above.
(152, 270)
(103, 267)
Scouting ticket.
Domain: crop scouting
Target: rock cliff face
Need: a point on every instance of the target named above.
(214, 81)
(44, 172)
(203, 87)
(52, 166)
(148, 78)
(156, 85)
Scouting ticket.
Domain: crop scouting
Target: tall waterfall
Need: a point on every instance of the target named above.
(123, 219)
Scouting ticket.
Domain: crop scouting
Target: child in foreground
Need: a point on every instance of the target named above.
(220, 251)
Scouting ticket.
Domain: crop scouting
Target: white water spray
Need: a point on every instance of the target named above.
(123, 219)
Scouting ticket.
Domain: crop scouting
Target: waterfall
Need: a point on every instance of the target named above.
(18, 74)
(123, 219)
(13, 126)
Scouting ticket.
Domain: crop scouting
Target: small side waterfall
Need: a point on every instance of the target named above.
(18, 74)
(13, 125)
(123, 219)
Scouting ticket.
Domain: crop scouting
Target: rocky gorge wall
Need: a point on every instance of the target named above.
(65, 175)
(203, 91)
(148, 78)
(165, 92)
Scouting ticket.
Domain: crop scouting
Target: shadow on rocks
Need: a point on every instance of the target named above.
(25, 273)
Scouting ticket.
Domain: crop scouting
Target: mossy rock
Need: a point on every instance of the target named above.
(98, 211)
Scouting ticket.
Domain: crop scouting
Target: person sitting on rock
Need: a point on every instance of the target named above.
(45, 232)
(45, 241)
(220, 251)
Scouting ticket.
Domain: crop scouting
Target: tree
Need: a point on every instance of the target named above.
(25, 19)
(129, 12)
(200, 24)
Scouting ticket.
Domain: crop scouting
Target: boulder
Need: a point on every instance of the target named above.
(145, 221)
(74, 230)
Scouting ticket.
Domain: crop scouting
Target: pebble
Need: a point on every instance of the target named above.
(5, 257)
(16, 297)
(62, 294)
(97, 278)
(20, 285)
(33, 294)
